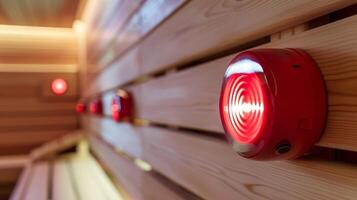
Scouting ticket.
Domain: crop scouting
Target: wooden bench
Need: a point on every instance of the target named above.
(70, 176)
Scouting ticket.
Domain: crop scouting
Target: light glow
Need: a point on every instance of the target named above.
(59, 86)
(243, 100)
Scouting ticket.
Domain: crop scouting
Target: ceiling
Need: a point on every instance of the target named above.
(49, 13)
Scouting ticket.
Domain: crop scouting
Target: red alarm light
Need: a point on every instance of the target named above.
(59, 86)
(80, 107)
(96, 107)
(121, 106)
(273, 103)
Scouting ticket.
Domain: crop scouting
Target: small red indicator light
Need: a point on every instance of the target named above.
(121, 106)
(80, 107)
(273, 103)
(59, 86)
(96, 107)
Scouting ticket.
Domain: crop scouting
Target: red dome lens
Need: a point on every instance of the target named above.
(96, 107)
(121, 106)
(80, 107)
(59, 86)
(243, 101)
(115, 107)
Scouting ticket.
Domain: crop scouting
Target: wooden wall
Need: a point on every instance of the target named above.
(30, 58)
(171, 55)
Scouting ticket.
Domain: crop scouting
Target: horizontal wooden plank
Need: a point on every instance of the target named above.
(209, 167)
(21, 44)
(37, 187)
(91, 181)
(190, 100)
(143, 21)
(39, 68)
(216, 27)
(18, 161)
(6, 122)
(53, 147)
(36, 85)
(138, 184)
(112, 23)
(28, 137)
(36, 107)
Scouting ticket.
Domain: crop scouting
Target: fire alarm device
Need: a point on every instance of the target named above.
(121, 107)
(80, 107)
(59, 86)
(96, 107)
(273, 103)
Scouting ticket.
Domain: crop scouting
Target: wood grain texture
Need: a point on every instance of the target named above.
(116, 18)
(202, 28)
(18, 161)
(209, 167)
(190, 98)
(141, 23)
(30, 113)
(55, 146)
(49, 13)
(29, 137)
(37, 186)
(139, 184)
(20, 45)
(91, 181)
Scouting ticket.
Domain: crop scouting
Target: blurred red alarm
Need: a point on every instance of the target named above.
(96, 107)
(80, 107)
(59, 86)
(273, 103)
(121, 106)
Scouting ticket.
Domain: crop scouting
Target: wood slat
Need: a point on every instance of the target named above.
(18, 161)
(11, 138)
(92, 176)
(218, 25)
(144, 20)
(20, 44)
(62, 186)
(191, 97)
(37, 186)
(36, 107)
(139, 184)
(55, 146)
(20, 121)
(112, 24)
(210, 168)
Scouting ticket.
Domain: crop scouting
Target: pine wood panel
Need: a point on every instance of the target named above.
(68, 121)
(55, 146)
(13, 161)
(113, 21)
(139, 185)
(37, 186)
(141, 23)
(91, 181)
(54, 13)
(30, 113)
(191, 96)
(21, 44)
(204, 27)
(210, 168)
(62, 186)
